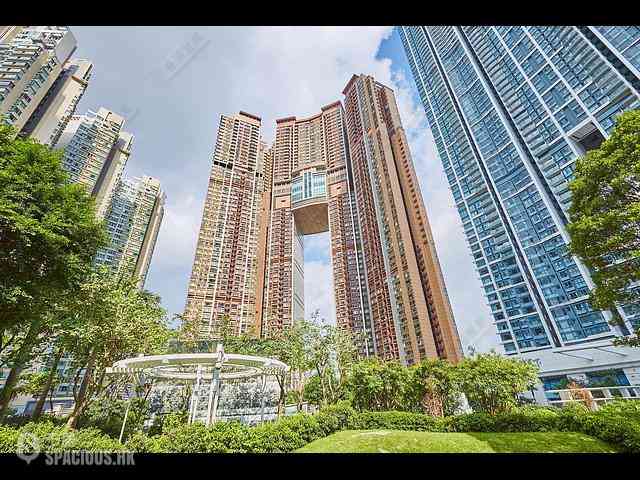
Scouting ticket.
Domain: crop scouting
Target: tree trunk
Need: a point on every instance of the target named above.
(78, 408)
(433, 404)
(330, 386)
(37, 411)
(300, 390)
(324, 392)
(20, 361)
(281, 400)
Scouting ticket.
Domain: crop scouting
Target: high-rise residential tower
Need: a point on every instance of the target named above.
(95, 153)
(8, 32)
(55, 110)
(410, 308)
(133, 222)
(31, 60)
(224, 280)
(311, 194)
(346, 170)
(511, 108)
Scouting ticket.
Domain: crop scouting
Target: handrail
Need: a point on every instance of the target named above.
(619, 387)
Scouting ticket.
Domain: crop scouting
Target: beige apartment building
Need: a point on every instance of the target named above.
(348, 171)
(96, 150)
(31, 60)
(59, 104)
(133, 222)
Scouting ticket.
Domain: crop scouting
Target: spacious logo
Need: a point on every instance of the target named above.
(29, 447)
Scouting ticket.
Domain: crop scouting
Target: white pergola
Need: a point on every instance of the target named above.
(207, 371)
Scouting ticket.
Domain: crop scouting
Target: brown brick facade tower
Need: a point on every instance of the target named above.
(312, 193)
(410, 308)
(346, 170)
(224, 275)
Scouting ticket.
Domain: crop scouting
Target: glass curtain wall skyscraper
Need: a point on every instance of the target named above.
(511, 108)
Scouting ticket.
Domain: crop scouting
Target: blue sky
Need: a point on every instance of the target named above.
(172, 84)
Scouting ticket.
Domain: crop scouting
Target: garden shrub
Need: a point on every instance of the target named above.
(140, 442)
(396, 421)
(173, 420)
(107, 415)
(527, 419)
(472, 422)
(8, 439)
(624, 410)
(279, 437)
(342, 412)
(21, 420)
(234, 436)
(54, 438)
(606, 424)
(191, 438)
(571, 417)
(290, 433)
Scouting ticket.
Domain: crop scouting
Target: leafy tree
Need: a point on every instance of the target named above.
(170, 421)
(107, 414)
(49, 235)
(305, 347)
(284, 347)
(40, 384)
(319, 348)
(313, 390)
(436, 387)
(292, 346)
(605, 217)
(120, 321)
(334, 352)
(379, 386)
(492, 382)
(51, 381)
(30, 383)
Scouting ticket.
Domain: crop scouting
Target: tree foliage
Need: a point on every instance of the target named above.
(311, 348)
(119, 321)
(436, 387)
(378, 386)
(49, 235)
(108, 415)
(605, 215)
(492, 382)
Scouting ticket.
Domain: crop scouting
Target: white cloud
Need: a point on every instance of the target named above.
(272, 72)
(179, 231)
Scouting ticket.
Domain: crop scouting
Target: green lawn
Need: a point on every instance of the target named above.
(395, 441)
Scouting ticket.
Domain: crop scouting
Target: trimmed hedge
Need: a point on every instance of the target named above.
(55, 438)
(285, 435)
(617, 424)
(397, 421)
